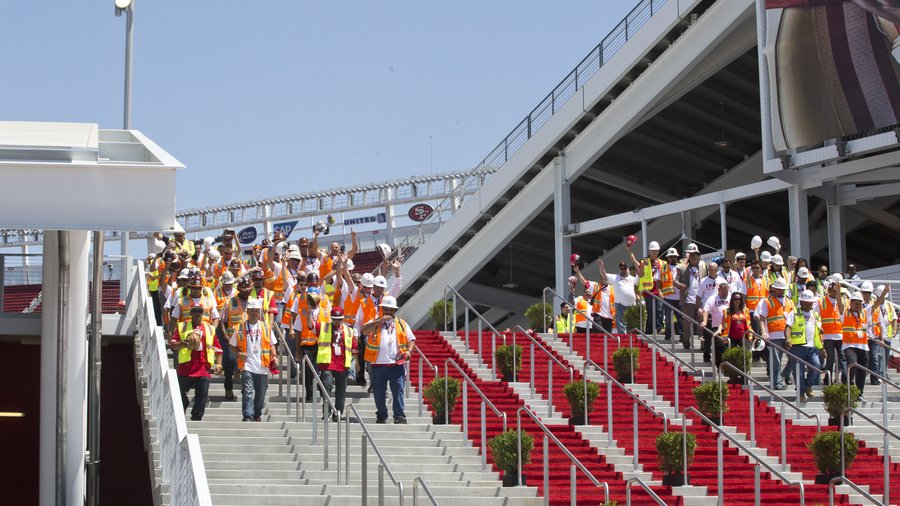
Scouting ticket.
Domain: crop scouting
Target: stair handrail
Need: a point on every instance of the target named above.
(654, 344)
(382, 466)
(887, 347)
(887, 447)
(885, 382)
(553, 359)
(548, 434)
(759, 460)
(682, 314)
(282, 343)
(587, 336)
(643, 485)
(465, 397)
(481, 318)
(409, 380)
(784, 402)
(315, 417)
(843, 480)
(34, 303)
(609, 411)
(798, 360)
(417, 481)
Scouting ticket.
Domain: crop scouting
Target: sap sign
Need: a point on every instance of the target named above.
(285, 228)
(247, 235)
(378, 218)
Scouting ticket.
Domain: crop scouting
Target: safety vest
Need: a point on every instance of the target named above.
(222, 298)
(288, 304)
(370, 310)
(599, 294)
(666, 284)
(581, 310)
(890, 316)
(185, 301)
(876, 321)
(854, 328)
(325, 266)
(237, 315)
(374, 341)
(188, 246)
(275, 284)
(351, 306)
(831, 320)
(308, 336)
(756, 291)
(564, 325)
(153, 282)
(324, 354)
(726, 320)
(185, 330)
(646, 278)
(798, 330)
(265, 346)
(775, 321)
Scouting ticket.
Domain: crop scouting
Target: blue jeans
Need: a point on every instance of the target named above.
(253, 390)
(811, 355)
(620, 319)
(775, 362)
(201, 394)
(875, 356)
(229, 360)
(654, 309)
(382, 376)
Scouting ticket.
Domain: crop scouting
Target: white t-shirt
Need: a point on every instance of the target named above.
(388, 350)
(707, 289)
(693, 285)
(253, 360)
(623, 287)
(716, 307)
(733, 278)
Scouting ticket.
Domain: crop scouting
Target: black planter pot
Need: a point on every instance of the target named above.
(715, 419)
(439, 419)
(576, 420)
(512, 479)
(836, 421)
(825, 479)
(673, 480)
(625, 379)
(736, 381)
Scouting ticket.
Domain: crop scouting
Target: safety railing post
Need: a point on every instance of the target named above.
(454, 314)
(653, 368)
(468, 344)
(302, 374)
(606, 354)
(609, 412)
(573, 490)
(721, 477)
(315, 417)
(493, 356)
(635, 434)
(465, 421)
(676, 391)
(684, 459)
(797, 379)
(483, 437)
(380, 484)
(546, 471)
(783, 442)
(531, 372)
(421, 400)
(280, 374)
(587, 340)
(549, 387)
(752, 416)
(480, 347)
(365, 467)
(756, 485)
(514, 368)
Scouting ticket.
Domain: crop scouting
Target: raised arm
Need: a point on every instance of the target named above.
(354, 244)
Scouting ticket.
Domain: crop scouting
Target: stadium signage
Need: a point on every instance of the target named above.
(285, 227)
(420, 212)
(247, 235)
(378, 218)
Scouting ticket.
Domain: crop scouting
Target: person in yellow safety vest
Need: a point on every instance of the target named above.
(309, 315)
(874, 308)
(389, 345)
(565, 324)
(776, 270)
(196, 293)
(771, 312)
(337, 345)
(153, 267)
(888, 325)
(184, 244)
(856, 342)
(256, 349)
(831, 309)
(198, 355)
(649, 272)
(805, 342)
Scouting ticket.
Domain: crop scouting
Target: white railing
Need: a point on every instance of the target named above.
(182, 474)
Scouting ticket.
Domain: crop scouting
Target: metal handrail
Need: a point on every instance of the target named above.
(886, 346)
(884, 379)
(494, 332)
(282, 343)
(382, 466)
(575, 462)
(798, 360)
(418, 480)
(887, 448)
(684, 315)
(784, 402)
(674, 366)
(760, 461)
(846, 481)
(587, 336)
(609, 410)
(553, 359)
(326, 418)
(421, 391)
(465, 422)
(650, 492)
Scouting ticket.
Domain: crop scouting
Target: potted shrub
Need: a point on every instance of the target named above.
(670, 454)
(635, 318)
(623, 359)
(441, 313)
(575, 395)
(826, 450)
(540, 316)
(712, 398)
(505, 451)
(835, 398)
(741, 359)
(434, 393)
(504, 357)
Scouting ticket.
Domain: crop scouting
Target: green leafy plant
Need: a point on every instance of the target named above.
(504, 449)
(738, 357)
(623, 359)
(441, 313)
(434, 393)
(536, 313)
(575, 395)
(835, 398)
(826, 450)
(504, 357)
(635, 318)
(670, 451)
(712, 397)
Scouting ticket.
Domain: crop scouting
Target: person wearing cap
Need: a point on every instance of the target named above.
(650, 279)
(855, 340)
(270, 308)
(713, 314)
(224, 294)
(256, 350)
(623, 285)
(602, 297)
(776, 270)
(691, 275)
(874, 331)
(831, 309)
(334, 252)
(310, 253)
(198, 356)
(337, 344)
(173, 293)
(805, 342)
(773, 310)
(294, 296)
(196, 293)
(740, 267)
(389, 345)
(309, 314)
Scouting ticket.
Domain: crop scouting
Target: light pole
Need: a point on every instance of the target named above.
(127, 6)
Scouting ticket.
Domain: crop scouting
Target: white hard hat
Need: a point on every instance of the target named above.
(384, 249)
(756, 242)
(803, 273)
(207, 241)
(780, 284)
(214, 255)
(777, 260)
(807, 296)
(672, 252)
(367, 280)
(177, 228)
(765, 256)
(380, 281)
(158, 246)
(866, 286)
(692, 248)
(227, 278)
(879, 290)
(388, 302)
(350, 265)
(837, 277)
(254, 303)
(856, 296)
(740, 254)
(294, 247)
(184, 274)
(654, 246)
(773, 242)
(294, 255)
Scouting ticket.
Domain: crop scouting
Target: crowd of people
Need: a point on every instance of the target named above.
(224, 315)
(810, 317)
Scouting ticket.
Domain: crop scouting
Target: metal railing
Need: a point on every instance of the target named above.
(784, 402)
(654, 344)
(481, 320)
(548, 436)
(885, 383)
(552, 360)
(609, 408)
(846, 481)
(640, 482)
(888, 433)
(681, 314)
(34, 303)
(364, 465)
(416, 483)
(756, 471)
(587, 334)
(408, 379)
(797, 361)
(326, 418)
(465, 398)
(281, 375)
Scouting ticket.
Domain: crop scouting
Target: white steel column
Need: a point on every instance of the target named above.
(723, 224)
(562, 216)
(799, 220)
(837, 242)
(389, 215)
(75, 365)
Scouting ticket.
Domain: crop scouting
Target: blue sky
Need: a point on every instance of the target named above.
(269, 98)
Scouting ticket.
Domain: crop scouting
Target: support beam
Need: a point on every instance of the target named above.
(837, 242)
(877, 215)
(562, 216)
(798, 215)
(607, 178)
